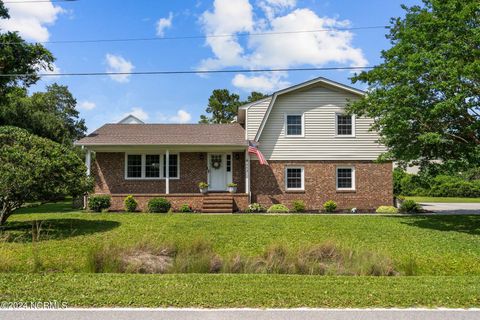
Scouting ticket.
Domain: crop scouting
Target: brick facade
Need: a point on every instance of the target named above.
(374, 185)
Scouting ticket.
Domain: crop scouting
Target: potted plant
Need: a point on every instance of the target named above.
(203, 187)
(232, 187)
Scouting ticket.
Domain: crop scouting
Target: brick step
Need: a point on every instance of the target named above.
(217, 210)
(217, 198)
(217, 202)
(216, 206)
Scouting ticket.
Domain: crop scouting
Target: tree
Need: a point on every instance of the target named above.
(223, 105)
(425, 95)
(51, 114)
(20, 58)
(35, 168)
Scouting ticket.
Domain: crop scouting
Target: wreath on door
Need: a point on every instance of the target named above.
(216, 163)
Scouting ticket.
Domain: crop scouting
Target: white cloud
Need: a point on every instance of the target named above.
(31, 20)
(275, 51)
(182, 116)
(136, 112)
(87, 105)
(263, 83)
(164, 23)
(116, 63)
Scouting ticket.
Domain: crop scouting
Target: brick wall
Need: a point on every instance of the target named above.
(374, 186)
(109, 172)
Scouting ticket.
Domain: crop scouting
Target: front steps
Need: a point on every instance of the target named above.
(217, 203)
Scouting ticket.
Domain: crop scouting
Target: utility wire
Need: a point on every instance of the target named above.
(166, 72)
(246, 34)
(40, 1)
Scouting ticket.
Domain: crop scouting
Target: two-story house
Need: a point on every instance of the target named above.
(315, 152)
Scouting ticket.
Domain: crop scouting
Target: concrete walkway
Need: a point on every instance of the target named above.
(452, 208)
(234, 314)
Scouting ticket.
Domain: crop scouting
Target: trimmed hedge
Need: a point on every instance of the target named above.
(330, 206)
(159, 205)
(98, 203)
(278, 208)
(130, 204)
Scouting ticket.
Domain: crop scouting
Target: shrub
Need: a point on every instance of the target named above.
(278, 208)
(298, 206)
(161, 205)
(255, 208)
(130, 204)
(99, 203)
(330, 206)
(409, 206)
(386, 209)
(185, 208)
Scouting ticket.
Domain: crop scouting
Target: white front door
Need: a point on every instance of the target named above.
(217, 172)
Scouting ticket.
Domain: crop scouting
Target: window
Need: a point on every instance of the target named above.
(345, 178)
(229, 162)
(294, 178)
(345, 125)
(173, 166)
(134, 166)
(152, 166)
(294, 125)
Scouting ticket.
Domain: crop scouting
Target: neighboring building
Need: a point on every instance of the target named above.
(315, 153)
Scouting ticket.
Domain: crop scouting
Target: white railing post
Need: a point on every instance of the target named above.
(167, 173)
(88, 161)
(247, 175)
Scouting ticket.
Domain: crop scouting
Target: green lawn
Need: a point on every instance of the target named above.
(208, 291)
(444, 249)
(444, 199)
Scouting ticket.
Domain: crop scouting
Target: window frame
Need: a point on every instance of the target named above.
(302, 188)
(285, 125)
(143, 175)
(353, 187)
(353, 126)
(162, 173)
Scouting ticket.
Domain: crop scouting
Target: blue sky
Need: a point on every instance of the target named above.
(182, 98)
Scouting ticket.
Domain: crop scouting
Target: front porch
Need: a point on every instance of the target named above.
(143, 173)
(209, 203)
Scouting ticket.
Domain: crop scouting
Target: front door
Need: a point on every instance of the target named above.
(217, 173)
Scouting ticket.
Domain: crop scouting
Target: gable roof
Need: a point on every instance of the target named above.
(166, 134)
(131, 119)
(319, 80)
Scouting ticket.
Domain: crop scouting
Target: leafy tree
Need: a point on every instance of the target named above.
(21, 58)
(425, 96)
(255, 96)
(35, 168)
(49, 114)
(223, 105)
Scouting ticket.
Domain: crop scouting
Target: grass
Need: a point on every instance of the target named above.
(444, 199)
(443, 252)
(264, 291)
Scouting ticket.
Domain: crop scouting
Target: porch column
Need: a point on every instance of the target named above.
(167, 173)
(88, 161)
(247, 175)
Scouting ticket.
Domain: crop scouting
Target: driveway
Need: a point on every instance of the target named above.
(452, 208)
(242, 314)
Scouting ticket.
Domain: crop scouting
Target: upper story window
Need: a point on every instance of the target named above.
(294, 125)
(345, 125)
(150, 166)
(345, 178)
(294, 178)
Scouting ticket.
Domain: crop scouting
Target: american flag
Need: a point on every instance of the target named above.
(252, 148)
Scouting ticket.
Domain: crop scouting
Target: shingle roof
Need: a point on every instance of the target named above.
(166, 134)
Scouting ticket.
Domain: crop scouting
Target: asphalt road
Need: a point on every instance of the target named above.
(452, 208)
(237, 314)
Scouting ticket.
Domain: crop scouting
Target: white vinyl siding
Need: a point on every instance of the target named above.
(319, 106)
(254, 118)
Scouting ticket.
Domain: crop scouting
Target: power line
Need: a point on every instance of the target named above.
(245, 34)
(40, 1)
(166, 72)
